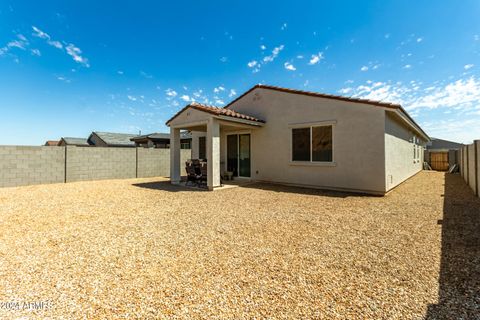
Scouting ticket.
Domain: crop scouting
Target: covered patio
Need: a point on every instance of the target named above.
(215, 124)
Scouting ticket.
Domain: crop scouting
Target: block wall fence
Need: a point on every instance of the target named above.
(470, 165)
(28, 165)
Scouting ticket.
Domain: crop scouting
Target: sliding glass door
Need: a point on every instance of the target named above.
(238, 154)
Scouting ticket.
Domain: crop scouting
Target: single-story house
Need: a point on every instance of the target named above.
(442, 154)
(162, 140)
(69, 141)
(111, 139)
(302, 138)
(51, 143)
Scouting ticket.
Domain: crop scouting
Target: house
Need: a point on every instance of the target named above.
(301, 138)
(442, 154)
(69, 141)
(51, 143)
(162, 140)
(110, 139)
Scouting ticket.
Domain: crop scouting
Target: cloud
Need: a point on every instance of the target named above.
(76, 54)
(146, 75)
(171, 93)
(468, 66)
(364, 68)
(219, 102)
(39, 33)
(407, 66)
(284, 26)
(462, 95)
(316, 58)
(17, 44)
(72, 50)
(387, 36)
(131, 98)
(289, 66)
(120, 72)
(223, 59)
(62, 78)
(185, 98)
(252, 63)
(232, 93)
(43, 35)
(36, 52)
(419, 39)
(218, 89)
(274, 54)
(263, 47)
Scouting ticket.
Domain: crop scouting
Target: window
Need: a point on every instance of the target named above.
(185, 144)
(314, 144)
(202, 148)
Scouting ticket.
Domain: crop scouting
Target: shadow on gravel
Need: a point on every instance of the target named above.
(166, 186)
(305, 191)
(459, 281)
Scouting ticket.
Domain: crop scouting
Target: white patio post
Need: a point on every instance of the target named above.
(174, 155)
(213, 153)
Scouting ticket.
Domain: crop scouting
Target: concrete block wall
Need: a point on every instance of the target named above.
(470, 165)
(23, 165)
(153, 162)
(100, 163)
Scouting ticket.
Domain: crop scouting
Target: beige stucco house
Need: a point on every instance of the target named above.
(301, 138)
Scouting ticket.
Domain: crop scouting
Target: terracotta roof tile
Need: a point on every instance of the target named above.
(218, 111)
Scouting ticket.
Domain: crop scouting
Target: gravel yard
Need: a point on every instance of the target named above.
(144, 248)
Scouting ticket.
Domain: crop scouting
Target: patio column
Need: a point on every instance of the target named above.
(213, 153)
(174, 155)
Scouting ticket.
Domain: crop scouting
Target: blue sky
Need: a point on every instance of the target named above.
(68, 68)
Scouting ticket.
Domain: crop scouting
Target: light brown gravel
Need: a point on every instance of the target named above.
(143, 248)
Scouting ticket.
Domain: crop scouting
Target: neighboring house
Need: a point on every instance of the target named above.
(442, 154)
(162, 140)
(79, 142)
(302, 138)
(110, 139)
(51, 143)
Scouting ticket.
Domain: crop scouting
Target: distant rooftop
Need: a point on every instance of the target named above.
(75, 141)
(159, 135)
(118, 139)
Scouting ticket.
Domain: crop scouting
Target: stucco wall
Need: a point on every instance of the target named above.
(358, 145)
(399, 157)
(23, 165)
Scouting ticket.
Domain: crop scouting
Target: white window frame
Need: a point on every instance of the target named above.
(310, 125)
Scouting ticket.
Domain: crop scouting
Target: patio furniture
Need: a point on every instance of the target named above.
(228, 175)
(192, 175)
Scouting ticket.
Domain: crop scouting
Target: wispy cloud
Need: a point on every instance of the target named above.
(218, 89)
(316, 58)
(407, 66)
(36, 52)
(284, 26)
(289, 66)
(252, 63)
(185, 98)
(171, 93)
(232, 93)
(71, 49)
(76, 54)
(364, 68)
(468, 66)
(274, 54)
(43, 35)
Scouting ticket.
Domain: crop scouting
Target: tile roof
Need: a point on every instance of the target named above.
(218, 111)
(119, 139)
